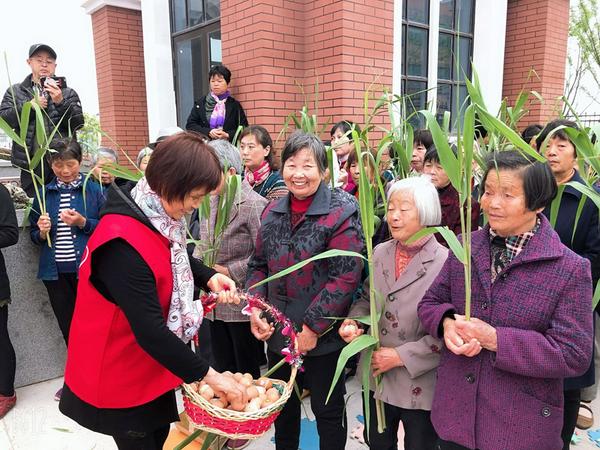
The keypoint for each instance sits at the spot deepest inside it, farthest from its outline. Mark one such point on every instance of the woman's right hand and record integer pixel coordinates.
(261, 329)
(44, 225)
(226, 385)
(349, 330)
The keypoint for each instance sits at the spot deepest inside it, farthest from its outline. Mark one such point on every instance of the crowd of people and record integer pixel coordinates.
(124, 282)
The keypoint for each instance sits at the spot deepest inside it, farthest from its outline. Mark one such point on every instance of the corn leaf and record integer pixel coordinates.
(326, 254)
(596, 297)
(8, 130)
(580, 206)
(448, 236)
(555, 205)
(354, 347)
(447, 157)
(25, 113)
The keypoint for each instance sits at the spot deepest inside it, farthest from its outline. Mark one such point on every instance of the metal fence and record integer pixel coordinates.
(587, 119)
(5, 141)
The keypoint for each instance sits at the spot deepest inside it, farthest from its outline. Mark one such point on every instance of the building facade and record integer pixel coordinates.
(153, 57)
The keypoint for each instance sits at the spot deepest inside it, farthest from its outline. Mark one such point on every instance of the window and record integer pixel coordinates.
(437, 48)
(196, 40)
(455, 50)
(415, 36)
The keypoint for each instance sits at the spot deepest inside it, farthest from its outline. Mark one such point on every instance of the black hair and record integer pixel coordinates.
(432, 153)
(539, 183)
(561, 134)
(299, 140)
(263, 137)
(220, 69)
(531, 131)
(423, 137)
(65, 148)
(345, 126)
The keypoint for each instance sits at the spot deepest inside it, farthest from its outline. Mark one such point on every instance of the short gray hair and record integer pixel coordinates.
(105, 152)
(425, 195)
(300, 140)
(146, 151)
(229, 156)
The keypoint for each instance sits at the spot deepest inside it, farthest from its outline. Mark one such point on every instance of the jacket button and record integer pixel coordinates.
(546, 411)
(484, 305)
(470, 378)
(504, 275)
(392, 298)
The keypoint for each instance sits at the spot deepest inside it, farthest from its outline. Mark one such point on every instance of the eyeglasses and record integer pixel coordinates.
(43, 61)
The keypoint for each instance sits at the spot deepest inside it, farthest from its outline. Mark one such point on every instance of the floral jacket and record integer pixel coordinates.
(322, 288)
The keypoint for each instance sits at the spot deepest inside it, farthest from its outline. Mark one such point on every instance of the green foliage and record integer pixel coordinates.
(90, 135)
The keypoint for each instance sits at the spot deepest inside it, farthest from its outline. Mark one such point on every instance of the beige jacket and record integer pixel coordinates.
(411, 386)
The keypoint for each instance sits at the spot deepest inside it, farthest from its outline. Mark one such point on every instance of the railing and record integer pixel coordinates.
(587, 119)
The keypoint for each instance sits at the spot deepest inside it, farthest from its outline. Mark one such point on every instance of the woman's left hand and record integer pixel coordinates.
(477, 329)
(225, 287)
(384, 359)
(307, 340)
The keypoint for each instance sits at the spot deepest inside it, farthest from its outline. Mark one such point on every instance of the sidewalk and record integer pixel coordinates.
(36, 423)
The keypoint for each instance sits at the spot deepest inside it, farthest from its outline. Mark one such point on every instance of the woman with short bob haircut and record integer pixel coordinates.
(500, 378)
(408, 356)
(135, 310)
(311, 219)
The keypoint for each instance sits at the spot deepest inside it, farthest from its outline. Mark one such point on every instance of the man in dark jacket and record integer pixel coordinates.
(61, 104)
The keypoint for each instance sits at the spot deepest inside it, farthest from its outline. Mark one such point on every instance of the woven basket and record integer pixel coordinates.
(236, 424)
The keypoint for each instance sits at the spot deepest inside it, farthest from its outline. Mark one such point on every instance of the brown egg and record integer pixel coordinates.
(273, 395)
(248, 376)
(228, 373)
(217, 402)
(264, 382)
(266, 402)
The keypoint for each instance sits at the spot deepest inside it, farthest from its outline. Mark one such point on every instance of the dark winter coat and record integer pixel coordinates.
(69, 110)
(322, 288)
(540, 307)
(234, 117)
(9, 235)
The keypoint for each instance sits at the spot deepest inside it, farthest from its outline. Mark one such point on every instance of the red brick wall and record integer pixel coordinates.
(536, 38)
(271, 46)
(119, 53)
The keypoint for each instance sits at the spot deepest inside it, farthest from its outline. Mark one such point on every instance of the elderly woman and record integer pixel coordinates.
(143, 158)
(310, 220)
(499, 382)
(104, 156)
(256, 147)
(135, 309)
(217, 115)
(343, 145)
(408, 355)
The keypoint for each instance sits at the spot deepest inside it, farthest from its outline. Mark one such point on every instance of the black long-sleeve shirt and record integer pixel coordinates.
(9, 235)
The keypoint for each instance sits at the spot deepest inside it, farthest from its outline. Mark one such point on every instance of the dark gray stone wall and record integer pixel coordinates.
(32, 326)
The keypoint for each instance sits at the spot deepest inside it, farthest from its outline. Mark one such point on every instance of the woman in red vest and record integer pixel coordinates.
(135, 310)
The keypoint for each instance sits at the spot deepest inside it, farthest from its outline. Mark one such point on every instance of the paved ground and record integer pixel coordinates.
(37, 424)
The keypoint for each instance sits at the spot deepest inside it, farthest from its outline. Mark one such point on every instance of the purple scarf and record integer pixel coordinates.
(217, 117)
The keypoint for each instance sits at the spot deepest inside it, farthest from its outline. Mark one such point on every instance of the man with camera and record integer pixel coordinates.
(60, 103)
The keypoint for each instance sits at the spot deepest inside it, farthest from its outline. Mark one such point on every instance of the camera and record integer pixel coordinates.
(61, 82)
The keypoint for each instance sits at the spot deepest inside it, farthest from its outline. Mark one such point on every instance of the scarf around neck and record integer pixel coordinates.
(72, 185)
(185, 313)
(259, 175)
(215, 109)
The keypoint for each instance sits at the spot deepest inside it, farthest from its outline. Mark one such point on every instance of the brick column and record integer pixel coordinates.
(272, 46)
(118, 47)
(536, 38)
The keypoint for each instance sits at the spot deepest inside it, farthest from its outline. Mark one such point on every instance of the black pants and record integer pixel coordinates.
(143, 441)
(418, 429)
(445, 445)
(62, 293)
(331, 417)
(571, 411)
(234, 347)
(7, 356)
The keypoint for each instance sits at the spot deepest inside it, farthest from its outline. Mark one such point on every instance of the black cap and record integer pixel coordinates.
(36, 47)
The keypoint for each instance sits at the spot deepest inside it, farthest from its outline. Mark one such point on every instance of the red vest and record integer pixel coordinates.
(105, 365)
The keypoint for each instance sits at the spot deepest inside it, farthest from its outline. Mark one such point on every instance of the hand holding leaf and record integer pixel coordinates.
(349, 330)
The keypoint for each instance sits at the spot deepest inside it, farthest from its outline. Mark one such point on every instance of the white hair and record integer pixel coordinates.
(105, 152)
(425, 196)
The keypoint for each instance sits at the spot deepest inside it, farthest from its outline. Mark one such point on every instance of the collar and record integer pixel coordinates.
(319, 206)
(515, 244)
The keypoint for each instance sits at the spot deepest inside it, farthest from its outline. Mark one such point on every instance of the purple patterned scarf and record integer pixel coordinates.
(217, 117)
